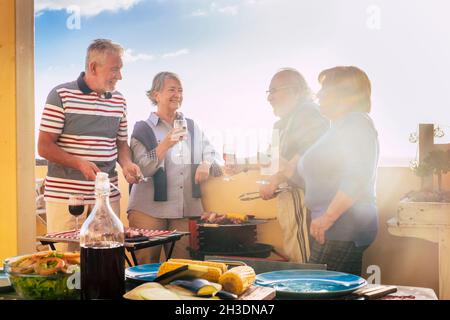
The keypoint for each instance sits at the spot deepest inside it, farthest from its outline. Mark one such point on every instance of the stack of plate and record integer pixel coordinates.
(310, 284)
(5, 284)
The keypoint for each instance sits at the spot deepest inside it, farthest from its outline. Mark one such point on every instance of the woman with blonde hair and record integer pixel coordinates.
(340, 172)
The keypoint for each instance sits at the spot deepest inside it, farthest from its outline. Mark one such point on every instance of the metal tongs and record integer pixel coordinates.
(255, 195)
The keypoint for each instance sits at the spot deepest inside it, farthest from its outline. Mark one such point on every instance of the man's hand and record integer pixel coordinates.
(267, 191)
(319, 226)
(132, 173)
(202, 172)
(88, 169)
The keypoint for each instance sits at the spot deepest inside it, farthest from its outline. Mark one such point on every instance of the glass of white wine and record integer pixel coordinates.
(264, 161)
(180, 135)
(229, 157)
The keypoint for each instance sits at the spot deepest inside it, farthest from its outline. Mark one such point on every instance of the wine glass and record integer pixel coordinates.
(181, 126)
(265, 161)
(76, 207)
(229, 156)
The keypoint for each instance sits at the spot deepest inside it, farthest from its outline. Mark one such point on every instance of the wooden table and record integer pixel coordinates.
(411, 293)
(258, 293)
(264, 293)
(429, 221)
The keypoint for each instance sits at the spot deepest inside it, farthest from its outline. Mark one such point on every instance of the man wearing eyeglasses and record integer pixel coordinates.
(300, 125)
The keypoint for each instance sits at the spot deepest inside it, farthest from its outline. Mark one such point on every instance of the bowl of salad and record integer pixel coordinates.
(47, 275)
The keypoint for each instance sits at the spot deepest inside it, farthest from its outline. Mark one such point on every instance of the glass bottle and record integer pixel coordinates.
(102, 248)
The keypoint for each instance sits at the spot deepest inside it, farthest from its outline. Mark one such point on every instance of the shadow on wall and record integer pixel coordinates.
(402, 261)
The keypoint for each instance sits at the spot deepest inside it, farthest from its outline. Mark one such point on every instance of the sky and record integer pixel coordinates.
(226, 51)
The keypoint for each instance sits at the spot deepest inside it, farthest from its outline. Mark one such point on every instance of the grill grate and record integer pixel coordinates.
(224, 240)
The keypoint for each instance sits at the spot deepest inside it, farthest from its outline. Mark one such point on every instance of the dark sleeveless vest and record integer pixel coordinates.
(145, 135)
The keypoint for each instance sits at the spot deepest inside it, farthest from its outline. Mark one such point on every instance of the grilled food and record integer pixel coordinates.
(228, 218)
(210, 271)
(221, 266)
(237, 279)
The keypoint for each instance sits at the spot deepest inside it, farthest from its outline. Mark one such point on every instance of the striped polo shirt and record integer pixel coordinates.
(88, 125)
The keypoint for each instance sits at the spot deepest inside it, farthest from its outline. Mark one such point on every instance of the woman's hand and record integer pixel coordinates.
(168, 142)
(319, 226)
(172, 138)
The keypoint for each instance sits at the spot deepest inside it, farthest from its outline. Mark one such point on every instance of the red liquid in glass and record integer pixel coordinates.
(102, 273)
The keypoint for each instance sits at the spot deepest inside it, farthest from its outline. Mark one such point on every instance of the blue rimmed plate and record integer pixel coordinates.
(310, 284)
(5, 284)
(143, 272)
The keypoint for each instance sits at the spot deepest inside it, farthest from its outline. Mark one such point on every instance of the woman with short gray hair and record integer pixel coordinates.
(158, 84)
(175, 161)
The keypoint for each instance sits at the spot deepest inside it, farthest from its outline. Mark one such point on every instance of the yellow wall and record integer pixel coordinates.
(403, 261)
(222, 196)
(219, 196)
(8, 166)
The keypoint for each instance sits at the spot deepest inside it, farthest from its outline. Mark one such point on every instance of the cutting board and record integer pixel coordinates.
(258, 293)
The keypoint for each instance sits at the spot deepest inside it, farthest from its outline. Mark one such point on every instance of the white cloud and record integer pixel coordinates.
(175, 54)
(37, 14)
(198, 13)
(255, 2)
(129, 56)
(217, 8)
(87, 7)
(231, 10)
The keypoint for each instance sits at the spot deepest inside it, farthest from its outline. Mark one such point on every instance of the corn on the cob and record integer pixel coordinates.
(220, 265)
(169, 266)
(210, 273)
(238, 279)
(237, 216)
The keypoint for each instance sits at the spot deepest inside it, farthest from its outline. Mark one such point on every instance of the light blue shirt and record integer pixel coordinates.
(344, 159)
(176, 164)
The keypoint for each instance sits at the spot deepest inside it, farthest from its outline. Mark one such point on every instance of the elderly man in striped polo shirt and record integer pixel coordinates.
(83, 131)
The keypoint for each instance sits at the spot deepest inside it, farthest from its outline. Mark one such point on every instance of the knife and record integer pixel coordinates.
(226, 295)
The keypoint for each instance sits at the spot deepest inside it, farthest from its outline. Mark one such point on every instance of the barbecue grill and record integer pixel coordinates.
(227, 239)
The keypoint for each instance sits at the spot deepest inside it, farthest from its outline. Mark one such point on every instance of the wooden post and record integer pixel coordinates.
(444, 263)
(426, 145)
(17, 195)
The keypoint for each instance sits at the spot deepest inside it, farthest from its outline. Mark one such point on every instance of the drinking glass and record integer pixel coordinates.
(265, 161)
(229, 156)
(76, 207)
(181, 125)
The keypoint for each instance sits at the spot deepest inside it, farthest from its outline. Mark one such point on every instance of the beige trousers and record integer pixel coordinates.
(59, 219)
(293, 222)
(141, 220)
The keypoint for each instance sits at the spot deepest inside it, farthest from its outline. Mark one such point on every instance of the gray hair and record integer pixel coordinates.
(158, 84)
(299, 81)
(100, 47)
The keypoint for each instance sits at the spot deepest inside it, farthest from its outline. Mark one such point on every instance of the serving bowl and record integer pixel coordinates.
(48, 275)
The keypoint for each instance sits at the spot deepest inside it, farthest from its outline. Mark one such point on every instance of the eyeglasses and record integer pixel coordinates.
(274, 90)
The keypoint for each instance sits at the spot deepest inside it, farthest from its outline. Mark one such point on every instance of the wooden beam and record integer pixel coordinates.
(8, 158)
(26, 205)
